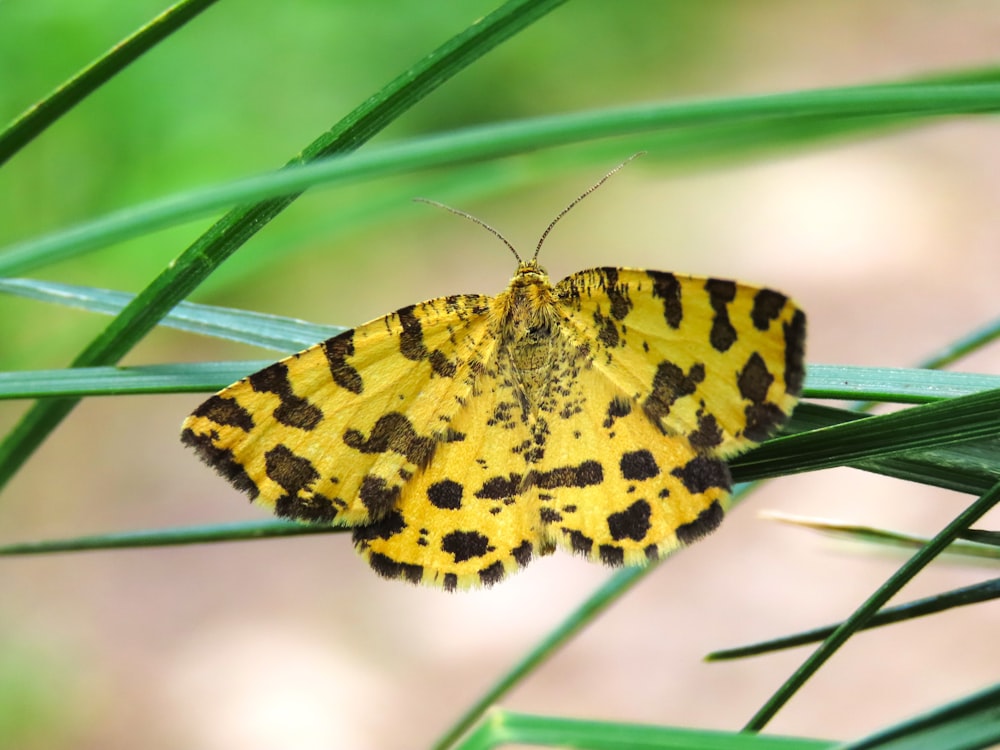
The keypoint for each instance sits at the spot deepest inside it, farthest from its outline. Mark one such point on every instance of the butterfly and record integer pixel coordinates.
(463, 436)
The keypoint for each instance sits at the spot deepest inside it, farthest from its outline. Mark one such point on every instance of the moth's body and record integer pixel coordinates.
(467, 434)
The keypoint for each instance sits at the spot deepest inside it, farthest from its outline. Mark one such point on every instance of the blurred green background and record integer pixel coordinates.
(889, 244)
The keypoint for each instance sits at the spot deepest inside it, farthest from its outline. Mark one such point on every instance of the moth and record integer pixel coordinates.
(464, 436)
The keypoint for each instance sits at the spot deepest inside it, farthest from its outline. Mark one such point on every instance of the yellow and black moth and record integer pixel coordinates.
(463, 436)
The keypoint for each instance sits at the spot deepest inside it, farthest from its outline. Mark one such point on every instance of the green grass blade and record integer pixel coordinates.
(117, 381)
(229, 233)
(964, 467)
(846, 105)
(970, 723)
(277, 332)
(917, 428)
(501, 728)
(182, 535)
(888, 539)
(875, 602)
(40, 116)
(960, 597)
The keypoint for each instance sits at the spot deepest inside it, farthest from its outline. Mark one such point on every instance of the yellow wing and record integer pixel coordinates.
(679, 372)
(333, 434)
(716, 361)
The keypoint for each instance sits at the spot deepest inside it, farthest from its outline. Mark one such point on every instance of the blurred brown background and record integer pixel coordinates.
(890, 245)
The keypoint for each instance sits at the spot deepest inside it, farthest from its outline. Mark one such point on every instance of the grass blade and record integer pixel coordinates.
(960, 597)
(847, 106)
(40, 116)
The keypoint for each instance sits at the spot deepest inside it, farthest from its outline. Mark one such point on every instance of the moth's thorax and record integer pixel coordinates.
(526, 317)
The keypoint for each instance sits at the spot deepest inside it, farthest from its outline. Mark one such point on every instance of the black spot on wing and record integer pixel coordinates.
(393, 431)
(754, 379)
(293, 411)
(762, 421)
(548, 515)
(706, 522)
(767, 305)
(583, 475)
(667, 288)
(222, 460)
(292, 473)
(441, 365)
(446, 494)
(579, 541)
(631, 523)
(411, 338)
(669, 384)
(465, 545)
(611, 555)
(720, 294)
(795, 349)
(639, 465)
(492, 574)
(225, 411)
(377, 495)
(389, 568)
(708, 435)
(620, 302)
(500, 488)
(607, 331)
(337, 350)
(617, 408)
(702, 473)
(763, 417)
(314, 508)
(384, 528)
(523, 553)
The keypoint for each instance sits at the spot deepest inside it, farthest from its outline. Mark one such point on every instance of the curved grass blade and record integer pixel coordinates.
(37, 118)
(277, 332)
(887, 539)
(960, 597)
(875, 602)
(501, 728)
(842, 105)
(232, 230)
(969, 723)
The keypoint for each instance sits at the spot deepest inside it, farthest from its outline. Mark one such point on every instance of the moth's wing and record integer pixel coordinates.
(669, 375)
(465, 520)
(716, 361)
(333, 433)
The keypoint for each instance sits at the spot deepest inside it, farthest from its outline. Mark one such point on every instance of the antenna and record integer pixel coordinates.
(585, 193)
(473, 219)
(495, 233)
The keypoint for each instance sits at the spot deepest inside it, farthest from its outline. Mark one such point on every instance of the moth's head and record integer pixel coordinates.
(531, 272)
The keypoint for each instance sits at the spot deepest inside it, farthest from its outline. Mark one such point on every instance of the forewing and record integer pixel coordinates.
(334, 433)
(718, 362)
